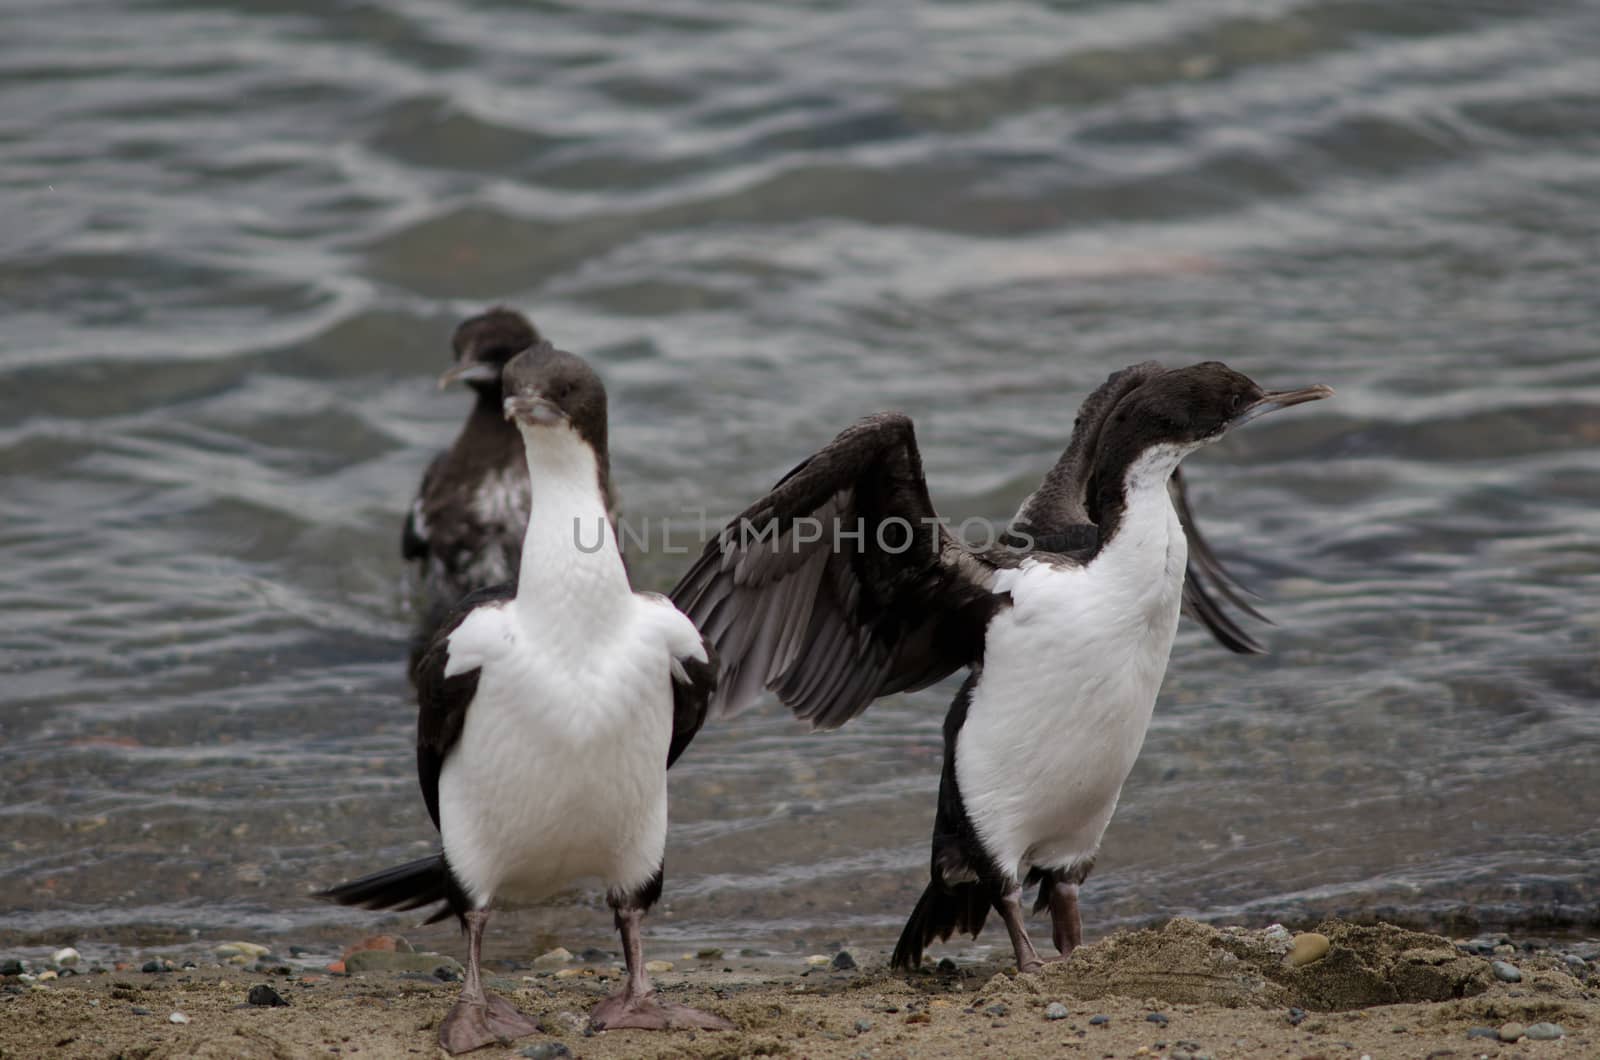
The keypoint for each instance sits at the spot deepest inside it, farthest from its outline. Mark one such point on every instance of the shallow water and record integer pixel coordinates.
(236, 236)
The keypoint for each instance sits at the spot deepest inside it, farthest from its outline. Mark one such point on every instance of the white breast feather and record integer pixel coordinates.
(560, 772)
(1070, 677)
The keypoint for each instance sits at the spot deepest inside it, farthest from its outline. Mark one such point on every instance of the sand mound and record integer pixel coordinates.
(1184, 962)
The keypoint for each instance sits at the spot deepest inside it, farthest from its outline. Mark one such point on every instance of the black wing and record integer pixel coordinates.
(1205, 578)
(442, 701)
(414, 535)
(840, 585)
(691, 699)
(1059, 512)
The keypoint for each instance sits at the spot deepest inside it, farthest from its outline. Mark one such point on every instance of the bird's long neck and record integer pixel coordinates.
(570, 560)
(1129, 485)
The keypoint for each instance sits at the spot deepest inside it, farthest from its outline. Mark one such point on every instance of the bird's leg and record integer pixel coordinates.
(1066, 928)
(636, 1004)
(1009, 905)
(479, 1018)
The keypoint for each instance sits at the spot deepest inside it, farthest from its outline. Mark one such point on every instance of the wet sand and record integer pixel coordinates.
(1182, 990)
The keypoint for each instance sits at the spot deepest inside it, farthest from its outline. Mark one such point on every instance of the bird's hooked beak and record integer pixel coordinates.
(533, 409)
(1280, 399)
(470, 372)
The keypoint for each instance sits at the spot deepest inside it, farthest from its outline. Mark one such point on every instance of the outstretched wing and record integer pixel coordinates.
(442, 701)
(840, 585)
(1205, 579)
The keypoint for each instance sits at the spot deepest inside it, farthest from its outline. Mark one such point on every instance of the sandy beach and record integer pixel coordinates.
(1184, 990)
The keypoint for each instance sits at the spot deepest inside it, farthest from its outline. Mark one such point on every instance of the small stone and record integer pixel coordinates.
(1159, 1018)
(710, 953)
(552, 959)
(1576, 963)
(140, 1010)
(66, 957)
(657, 967)
(48, 975)
(156, 966)
(177, 1017)
(1506, 973)
(819, 960)
(997, 1010)
(251, 950)
(448, 973)
(1099, 1021)
(1483, 1032)
(1297, 1016)
(546, 1051)
(300, 951)
(266, 997)
(11, 966)
(1546, 1032)
(843, 962)
(592, 955)
(946, 964)
(1055, 1011)
(569, 973)
(1307, 948)
(863, 1026)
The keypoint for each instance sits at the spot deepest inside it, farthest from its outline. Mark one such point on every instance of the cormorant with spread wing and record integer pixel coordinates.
(841, 585)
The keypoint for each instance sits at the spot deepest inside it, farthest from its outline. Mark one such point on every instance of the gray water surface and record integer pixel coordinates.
(234, 237)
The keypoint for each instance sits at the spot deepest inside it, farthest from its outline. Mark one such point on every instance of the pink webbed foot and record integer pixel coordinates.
(650, 1013)
(473, 1025)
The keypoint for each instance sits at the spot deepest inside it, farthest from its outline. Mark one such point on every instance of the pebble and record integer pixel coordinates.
(1099, 1021)
(1157, 1017)
(946, 964)
(843, 962)
(1297, 1016)
(140, 1010)
(1483, 1032)
(1055, 1011)
(546, 1051)
(10, 966)
(177, 1017)
(997, 1010)
(863, 1026)
(710, 953)
(47, 975)
(66, 957)
(819, 960)
(1510, 1032)
(1573, 961)
(266, 997)
(250, 950)
(157, 966)
(552, 959)
(1307, 948)
(1506, 973)
(657, 967)
(1546, 1032)
(593, 955)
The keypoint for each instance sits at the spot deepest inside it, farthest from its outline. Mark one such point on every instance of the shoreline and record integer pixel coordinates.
(1182, 990)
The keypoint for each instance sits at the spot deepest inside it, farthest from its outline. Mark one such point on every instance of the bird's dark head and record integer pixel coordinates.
(550, 388)
(484, 343)
(1189, 407)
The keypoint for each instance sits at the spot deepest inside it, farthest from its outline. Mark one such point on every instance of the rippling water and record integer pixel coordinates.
(236, 236)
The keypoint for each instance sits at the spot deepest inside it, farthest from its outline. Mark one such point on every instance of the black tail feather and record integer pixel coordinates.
(409, 886)
(940, 913)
